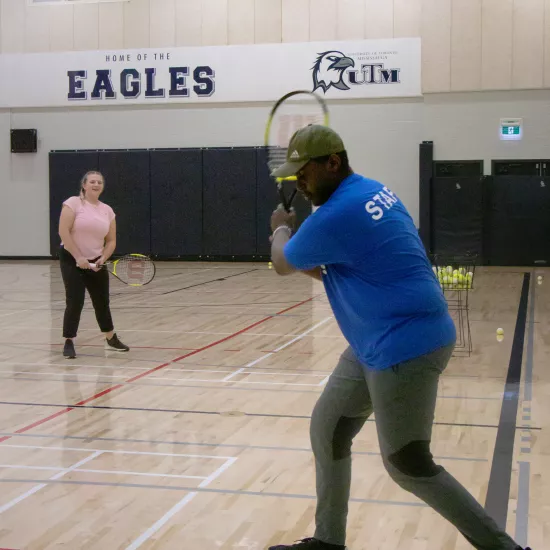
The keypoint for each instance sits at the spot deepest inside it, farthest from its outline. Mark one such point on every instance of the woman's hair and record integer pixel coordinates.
(85, 179)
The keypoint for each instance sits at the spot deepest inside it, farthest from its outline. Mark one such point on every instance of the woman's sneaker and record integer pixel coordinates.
(114, 344)
(308, 544)
(68, 349)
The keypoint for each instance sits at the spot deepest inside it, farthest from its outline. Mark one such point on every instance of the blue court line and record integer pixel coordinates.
(498, 491)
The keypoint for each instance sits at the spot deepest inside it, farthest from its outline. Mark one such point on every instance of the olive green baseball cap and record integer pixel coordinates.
(312, 141)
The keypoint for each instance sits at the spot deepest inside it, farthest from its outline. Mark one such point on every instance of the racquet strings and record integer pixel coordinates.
(291, 115)
(135, 270)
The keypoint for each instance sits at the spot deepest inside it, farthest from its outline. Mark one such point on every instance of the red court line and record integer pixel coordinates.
(150, 371)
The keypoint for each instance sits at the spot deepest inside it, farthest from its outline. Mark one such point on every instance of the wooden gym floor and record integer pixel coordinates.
(198, 438)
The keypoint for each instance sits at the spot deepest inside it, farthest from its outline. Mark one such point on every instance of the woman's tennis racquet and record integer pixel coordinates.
(290, 113)
(131, 269)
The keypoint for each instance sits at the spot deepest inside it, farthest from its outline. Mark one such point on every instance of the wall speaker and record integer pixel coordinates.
(24, 141)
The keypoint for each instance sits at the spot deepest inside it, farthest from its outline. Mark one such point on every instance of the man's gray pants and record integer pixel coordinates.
(403, 401)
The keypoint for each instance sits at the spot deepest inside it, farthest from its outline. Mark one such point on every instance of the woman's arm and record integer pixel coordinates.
(66, 222)
(110, 243)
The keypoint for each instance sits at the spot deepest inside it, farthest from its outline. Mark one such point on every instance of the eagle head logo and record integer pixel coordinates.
(328, 70)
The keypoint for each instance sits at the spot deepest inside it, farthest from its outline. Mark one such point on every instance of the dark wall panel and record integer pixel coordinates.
(457, 216)
(176, 202)
(426, 155)
(518, 224)
(267, 199)
(229, 207)
(127, 191)
(66, 171)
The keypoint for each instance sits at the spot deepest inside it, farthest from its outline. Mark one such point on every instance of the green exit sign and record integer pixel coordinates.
(511, 128)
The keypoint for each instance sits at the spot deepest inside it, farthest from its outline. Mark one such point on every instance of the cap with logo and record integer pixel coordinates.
(312, 141)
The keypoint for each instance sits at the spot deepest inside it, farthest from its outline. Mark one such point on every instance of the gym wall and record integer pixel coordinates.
(482, 60)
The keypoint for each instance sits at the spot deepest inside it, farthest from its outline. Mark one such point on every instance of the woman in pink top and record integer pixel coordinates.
(87, 228)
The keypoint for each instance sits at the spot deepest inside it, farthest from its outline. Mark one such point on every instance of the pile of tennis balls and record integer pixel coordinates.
(456, 279)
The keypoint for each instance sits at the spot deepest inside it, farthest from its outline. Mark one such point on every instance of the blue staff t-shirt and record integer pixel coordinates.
(379, 282)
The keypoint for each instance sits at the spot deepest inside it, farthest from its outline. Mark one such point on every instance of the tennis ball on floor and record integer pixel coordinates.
(270, 265)
(500, 338)
(500, 331)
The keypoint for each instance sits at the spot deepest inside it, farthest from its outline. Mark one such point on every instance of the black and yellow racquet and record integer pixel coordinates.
(131, 269)
(290, 113)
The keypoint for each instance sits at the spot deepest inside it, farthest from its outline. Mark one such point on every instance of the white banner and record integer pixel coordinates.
(221, 74)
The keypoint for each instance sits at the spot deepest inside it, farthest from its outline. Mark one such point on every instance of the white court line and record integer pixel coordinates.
(121, 331)
(175, 509)
(242, 369)
(280, 348)
(269, 373)
(154, 528)
(226, 380)
(318, 307)
(173, 331)
(82, 365)
(37, 488)
(148, 453)
(39, 308)
(183, 371)
(85, 470)
(71, 365)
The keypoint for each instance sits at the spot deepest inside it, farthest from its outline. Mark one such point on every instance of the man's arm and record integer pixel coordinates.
(315, 273)
(280, 237)
(282, 267)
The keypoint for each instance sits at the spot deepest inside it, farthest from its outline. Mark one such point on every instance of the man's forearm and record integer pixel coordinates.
(281, 266)
(315, 273)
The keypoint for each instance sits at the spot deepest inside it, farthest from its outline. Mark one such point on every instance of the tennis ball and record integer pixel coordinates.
(500, 338)
(449, 269)
(455, 281)
(270, 265)
(500, 331)
(462, 271)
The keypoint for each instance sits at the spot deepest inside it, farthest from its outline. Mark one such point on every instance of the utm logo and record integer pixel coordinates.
(334, 69)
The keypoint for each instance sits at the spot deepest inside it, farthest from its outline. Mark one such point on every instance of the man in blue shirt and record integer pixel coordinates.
(362, 243)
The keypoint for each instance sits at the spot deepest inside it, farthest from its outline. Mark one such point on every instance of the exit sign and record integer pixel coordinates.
(511, 129)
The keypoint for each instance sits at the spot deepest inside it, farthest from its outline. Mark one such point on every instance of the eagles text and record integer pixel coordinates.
(131, 83)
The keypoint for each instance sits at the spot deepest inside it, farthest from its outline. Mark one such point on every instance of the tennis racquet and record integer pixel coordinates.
(291, 112)
(131, 269)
